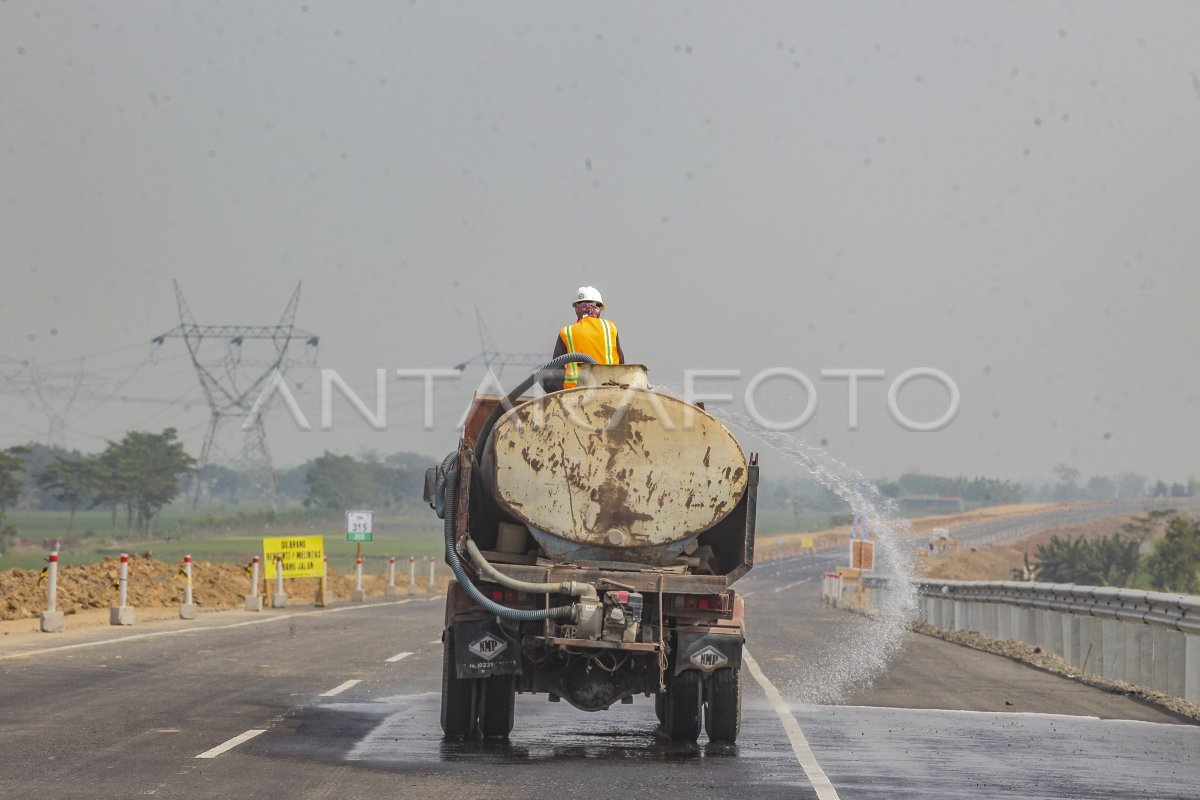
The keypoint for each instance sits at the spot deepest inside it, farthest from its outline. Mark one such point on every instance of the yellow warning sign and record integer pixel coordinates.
(806, 542)
(303, 556)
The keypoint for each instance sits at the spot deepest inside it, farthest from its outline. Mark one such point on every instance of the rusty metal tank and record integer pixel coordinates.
(613, 470)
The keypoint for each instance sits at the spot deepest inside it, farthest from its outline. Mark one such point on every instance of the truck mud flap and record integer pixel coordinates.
(482, 649)
(707, 650)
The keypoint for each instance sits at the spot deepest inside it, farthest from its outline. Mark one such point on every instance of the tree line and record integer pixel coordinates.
(137, 475)
(977, 491)
(328, 482)
(1173, 565)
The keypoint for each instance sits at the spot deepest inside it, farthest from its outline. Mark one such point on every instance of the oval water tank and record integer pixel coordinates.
(614, 467)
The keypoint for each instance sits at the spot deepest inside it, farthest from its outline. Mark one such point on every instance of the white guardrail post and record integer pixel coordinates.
(390, 589)
(412, 574)
(188, 609)
(1150, 639)
(432, 579)
(52, 618)
(254, 601)
(358, 595)
(122, 613)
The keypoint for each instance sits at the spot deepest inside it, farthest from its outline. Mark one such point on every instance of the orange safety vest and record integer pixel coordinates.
(591, 335)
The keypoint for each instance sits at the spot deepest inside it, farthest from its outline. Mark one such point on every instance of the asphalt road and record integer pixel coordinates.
(320, 703)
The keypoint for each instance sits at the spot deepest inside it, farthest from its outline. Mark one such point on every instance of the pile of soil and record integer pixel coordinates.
(156, 584)
(770, 548)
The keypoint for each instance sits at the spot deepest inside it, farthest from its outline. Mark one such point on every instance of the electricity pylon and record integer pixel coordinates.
(489, 357)
(231, 383)
(55, 392)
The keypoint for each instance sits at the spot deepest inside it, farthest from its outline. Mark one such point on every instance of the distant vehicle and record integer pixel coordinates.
(594, 534)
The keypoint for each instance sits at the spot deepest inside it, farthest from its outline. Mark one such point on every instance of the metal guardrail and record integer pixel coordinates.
(1175, 611)
(1142, 638)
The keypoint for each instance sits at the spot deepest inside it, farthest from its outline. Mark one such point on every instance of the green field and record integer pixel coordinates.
(224, 538)
(229, 540)
(771, 523)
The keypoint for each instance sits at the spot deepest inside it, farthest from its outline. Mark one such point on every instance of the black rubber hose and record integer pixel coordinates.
(511, 399)
(464, 580)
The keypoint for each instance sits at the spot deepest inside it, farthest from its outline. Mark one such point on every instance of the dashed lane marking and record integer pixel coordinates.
(232, 743)
(804, 754)
(791, 585)
(342, 687)
(398, 657)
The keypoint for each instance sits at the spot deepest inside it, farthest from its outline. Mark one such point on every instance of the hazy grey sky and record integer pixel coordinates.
(1004, 191)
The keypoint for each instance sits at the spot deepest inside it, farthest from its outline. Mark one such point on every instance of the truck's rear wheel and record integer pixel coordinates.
(499, 705)
(458, 694)
(723, 719)
(684, 707)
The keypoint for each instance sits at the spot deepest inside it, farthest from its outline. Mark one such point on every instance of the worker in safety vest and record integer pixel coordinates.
(591, 335)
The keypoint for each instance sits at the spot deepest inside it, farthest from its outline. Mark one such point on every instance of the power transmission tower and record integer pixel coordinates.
(490, 357)
(232, 382)
(57, 416)
(55, 391)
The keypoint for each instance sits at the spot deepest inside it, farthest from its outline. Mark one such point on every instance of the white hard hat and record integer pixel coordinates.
(588, 294)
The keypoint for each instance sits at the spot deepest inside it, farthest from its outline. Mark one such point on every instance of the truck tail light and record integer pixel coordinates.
(704, 602)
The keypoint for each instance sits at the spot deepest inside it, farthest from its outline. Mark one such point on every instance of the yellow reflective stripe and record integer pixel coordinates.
(572, 373)
(608, 343)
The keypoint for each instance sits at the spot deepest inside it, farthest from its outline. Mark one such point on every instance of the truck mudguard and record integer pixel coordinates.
(482, 649)
(708, 650)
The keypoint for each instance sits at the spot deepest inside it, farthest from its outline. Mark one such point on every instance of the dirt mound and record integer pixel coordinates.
(771, 548)
(996, 562)
(156, 584)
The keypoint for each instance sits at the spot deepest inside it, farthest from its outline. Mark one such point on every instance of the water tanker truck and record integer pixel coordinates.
(594, 535)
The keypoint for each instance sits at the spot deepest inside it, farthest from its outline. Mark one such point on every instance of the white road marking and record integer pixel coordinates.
(951, 711)
(398, 657)
(791, 585)
(341, 688)
(182, 631)
(804, 754)
(232, 743)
